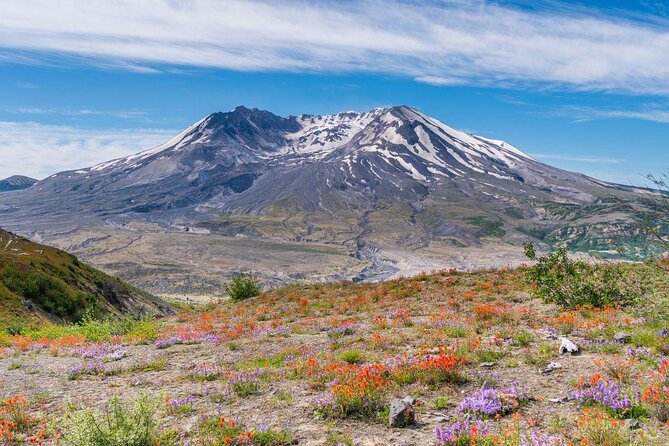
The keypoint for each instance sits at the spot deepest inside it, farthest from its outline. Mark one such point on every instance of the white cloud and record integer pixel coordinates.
(438, 42)
(646, 115)
(38, 150)
(654, 112)
(578, 158)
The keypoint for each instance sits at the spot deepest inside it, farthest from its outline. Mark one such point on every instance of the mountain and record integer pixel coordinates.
(39, 283)
(396, 189)
(16, 182)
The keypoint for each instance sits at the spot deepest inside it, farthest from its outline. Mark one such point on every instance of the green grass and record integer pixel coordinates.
(491, 228)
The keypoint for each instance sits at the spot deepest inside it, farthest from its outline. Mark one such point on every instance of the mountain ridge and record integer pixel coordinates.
(397, 189)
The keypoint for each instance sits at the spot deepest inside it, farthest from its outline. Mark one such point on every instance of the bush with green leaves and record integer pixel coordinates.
(243, 286)
(119, 424)
(570, 282)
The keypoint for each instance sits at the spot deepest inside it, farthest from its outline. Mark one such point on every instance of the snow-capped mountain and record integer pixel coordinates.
(226, 154)
(389, 178)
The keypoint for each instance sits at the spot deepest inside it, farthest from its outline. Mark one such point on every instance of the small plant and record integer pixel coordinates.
(352, 357)
(335, 438)
(224, 431)
(132, 424)
(544, 354)
(182, 406)
(243, 286)
(463, 433)
(522, 339)
(244, 383)
(489, 355)
(439, 403)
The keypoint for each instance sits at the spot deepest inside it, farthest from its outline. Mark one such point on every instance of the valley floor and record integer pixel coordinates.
(321, 363)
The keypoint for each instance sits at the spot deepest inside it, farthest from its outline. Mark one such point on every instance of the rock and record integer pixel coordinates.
(559, 399)
(29, 305)
(632, 423)
(551, 367)
(411, 401)
(566, 346)
(487, 365)
(401, 414)
(622, 336)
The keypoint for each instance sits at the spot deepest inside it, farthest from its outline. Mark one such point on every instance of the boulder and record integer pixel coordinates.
(622, 336)
(401, 414)
(566, 346)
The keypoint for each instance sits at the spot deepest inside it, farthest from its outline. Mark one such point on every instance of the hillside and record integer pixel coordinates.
(39, 283)
(16, 182)
(354, 195)
(475, 356)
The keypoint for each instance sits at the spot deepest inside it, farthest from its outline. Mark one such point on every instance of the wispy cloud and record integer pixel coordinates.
(123, 114)
(654, 114)
(577, 158)
(27, 85)
(446, 42)
(39, 150)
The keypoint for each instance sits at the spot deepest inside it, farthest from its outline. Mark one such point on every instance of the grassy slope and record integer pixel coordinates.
(85, 286)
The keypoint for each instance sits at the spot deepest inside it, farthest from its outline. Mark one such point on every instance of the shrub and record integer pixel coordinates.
(243, 286)
(570, 283)
(132, 424)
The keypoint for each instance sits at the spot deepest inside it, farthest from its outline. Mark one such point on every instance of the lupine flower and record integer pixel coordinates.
(640, 352)
(491, 402)
(605, 392)
(101, 352)
(89, 368)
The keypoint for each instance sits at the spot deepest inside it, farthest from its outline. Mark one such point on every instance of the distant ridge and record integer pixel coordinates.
(16, 182)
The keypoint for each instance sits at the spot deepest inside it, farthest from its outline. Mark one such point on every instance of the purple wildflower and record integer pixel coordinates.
(90, 368)
(490, 402)
(459, 431)
(606, 393)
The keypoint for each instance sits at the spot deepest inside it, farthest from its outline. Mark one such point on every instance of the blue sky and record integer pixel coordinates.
(579, 85)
